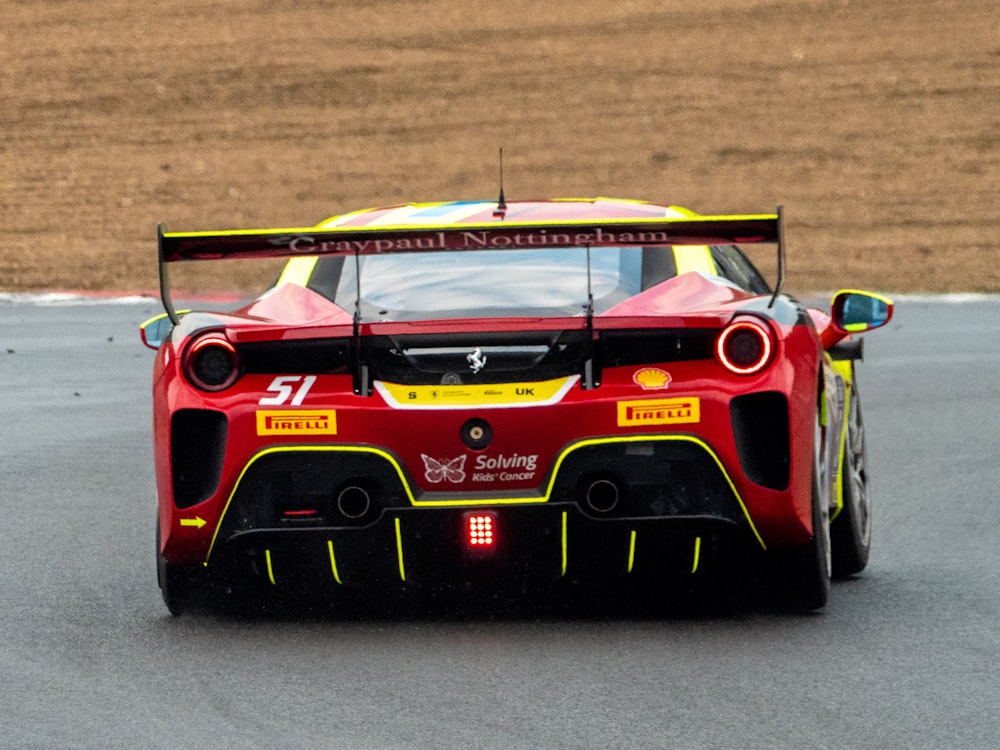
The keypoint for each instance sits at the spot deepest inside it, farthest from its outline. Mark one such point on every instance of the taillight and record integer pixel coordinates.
(211, 362)
(745, 346)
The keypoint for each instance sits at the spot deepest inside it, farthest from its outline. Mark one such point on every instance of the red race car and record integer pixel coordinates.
(493, 396)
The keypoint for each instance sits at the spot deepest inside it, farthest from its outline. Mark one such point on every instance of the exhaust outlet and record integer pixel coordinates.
(602, 495)
(353, 502)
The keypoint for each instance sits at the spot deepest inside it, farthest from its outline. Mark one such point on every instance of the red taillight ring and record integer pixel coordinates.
(745, 347)
(211, 362)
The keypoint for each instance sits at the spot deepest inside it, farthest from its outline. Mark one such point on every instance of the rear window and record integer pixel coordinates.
(488, 283)
(508, 283)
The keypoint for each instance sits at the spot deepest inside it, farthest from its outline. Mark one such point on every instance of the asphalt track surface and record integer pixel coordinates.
(904, 656)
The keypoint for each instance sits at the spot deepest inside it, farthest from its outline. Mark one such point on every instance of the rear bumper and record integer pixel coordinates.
(664, 508)
(535, 547)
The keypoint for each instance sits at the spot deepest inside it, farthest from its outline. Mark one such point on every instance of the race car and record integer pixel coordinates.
(496, 396)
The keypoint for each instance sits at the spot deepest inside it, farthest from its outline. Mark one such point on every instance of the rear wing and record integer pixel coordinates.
(499, 235)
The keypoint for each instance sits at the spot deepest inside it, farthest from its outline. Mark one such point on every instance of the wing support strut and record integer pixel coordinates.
(781, 256)
(362, 384)
(587, 381)
(168, 304)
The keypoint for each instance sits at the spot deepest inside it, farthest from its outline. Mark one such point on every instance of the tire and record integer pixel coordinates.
(810, 565)
(178, 583)
(804, 572)
(851, 530)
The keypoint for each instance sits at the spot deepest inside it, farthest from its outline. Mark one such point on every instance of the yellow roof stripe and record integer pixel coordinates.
(297, 271)
(694, 258)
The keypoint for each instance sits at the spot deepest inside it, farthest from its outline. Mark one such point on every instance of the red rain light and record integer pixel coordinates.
(481, 530)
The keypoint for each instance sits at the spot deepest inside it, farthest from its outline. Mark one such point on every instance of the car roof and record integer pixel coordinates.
(480, 211)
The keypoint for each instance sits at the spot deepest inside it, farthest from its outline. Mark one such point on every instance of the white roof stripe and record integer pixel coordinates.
(394, 217)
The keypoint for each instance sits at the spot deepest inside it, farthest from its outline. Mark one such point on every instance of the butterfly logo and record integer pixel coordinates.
(436, 471)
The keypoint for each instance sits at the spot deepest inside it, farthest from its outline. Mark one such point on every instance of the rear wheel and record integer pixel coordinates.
(178, 583)
(804, 572)
(808, 575)
(851, 531)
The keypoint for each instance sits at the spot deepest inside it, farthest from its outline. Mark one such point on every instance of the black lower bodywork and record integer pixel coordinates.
(657, 516)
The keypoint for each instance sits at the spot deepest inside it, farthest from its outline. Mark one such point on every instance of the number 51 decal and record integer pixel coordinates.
(283, 387)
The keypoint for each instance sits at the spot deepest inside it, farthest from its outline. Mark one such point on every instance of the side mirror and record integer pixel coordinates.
(856, 312)
(155, 330)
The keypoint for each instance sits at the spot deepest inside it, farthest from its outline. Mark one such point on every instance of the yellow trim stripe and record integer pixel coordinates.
(161, 316)
(564, 554)
(297, 271)
(502, 395)
(270, 570)
(697, 554)
(631, 550)
(333, 561)
(304, 449)
(694, 258)
(838, 485)
(399, 550)
(335, 227)
(879, 297)
(477, 502)
(845, 370)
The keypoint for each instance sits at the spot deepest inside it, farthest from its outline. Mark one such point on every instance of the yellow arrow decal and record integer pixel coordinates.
(196, 521)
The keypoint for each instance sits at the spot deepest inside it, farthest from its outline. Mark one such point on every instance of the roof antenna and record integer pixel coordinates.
(501, 210)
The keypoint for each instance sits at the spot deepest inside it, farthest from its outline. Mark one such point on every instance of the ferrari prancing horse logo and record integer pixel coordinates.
(476, 360)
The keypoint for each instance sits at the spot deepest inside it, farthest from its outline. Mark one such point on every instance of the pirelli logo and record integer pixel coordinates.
(659, 411)
(297, 422)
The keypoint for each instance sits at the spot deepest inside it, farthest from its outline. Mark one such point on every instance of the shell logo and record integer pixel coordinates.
(651, 378)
